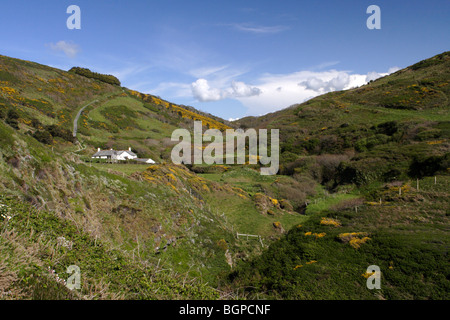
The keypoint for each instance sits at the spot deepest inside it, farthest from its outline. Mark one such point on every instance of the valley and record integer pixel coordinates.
(363, 180)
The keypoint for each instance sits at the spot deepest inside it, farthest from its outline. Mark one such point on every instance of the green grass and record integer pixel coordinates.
(324, 204)
(127, 169)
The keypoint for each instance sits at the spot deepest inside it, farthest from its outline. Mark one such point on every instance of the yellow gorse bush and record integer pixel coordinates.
(355, 239)
(367, 274)
(435, 142)
(317, 235)
(8, 90)
(357, 242)
(330, 222)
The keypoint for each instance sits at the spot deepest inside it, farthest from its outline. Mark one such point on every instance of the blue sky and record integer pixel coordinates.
(229, 58)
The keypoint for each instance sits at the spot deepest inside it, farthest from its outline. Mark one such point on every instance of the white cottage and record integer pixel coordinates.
(111, 154)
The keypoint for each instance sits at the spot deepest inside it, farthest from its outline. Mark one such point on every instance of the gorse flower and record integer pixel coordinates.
(368, 274)
(274, 201)
(317, 235)
(330, 222)
(354, 238)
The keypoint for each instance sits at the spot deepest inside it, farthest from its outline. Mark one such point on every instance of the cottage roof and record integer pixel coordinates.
(110, 153)
(104, 153)
(131, 153)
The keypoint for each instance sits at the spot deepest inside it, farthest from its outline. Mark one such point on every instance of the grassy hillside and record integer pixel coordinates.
(327, 256)
(379, 132)
(116, 118)
(381, 155)
(345, 197)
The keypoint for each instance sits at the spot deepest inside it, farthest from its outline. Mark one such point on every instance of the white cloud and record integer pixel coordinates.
(240, 89)
(375, 75)
(283, 90)
(316, 83)
(393, 69)
(69, 48)
(202, 91)
(313, 83)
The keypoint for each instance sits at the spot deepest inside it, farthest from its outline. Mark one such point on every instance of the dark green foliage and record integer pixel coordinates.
(11, 119)
(94, 75)
(370, 142)
(12, 114)
(420, 168)
(49, 132)
(387, 128)
(43, 136)
(13, 123)
(57, 131)
(35, 123)
(311, 144)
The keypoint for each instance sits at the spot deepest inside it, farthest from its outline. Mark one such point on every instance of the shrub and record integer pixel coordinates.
(35, 123)
(420, 168)
(94, 75)
(12, 114)
(13, 123)
(62, 133)
(387, 128)
(330, 222)
(43, 136)
(329, 164)
(286, 205)
(370, 142)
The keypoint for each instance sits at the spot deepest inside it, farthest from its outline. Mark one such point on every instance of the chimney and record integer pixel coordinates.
(98, 149)
(129, 149)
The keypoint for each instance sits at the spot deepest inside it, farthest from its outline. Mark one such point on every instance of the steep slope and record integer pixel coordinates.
(115, 118)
